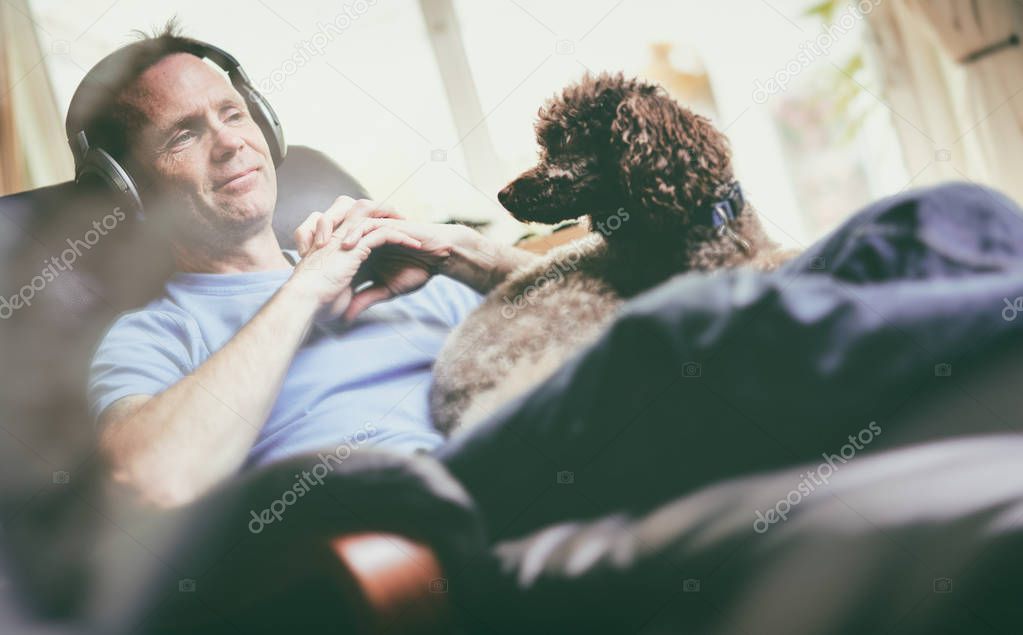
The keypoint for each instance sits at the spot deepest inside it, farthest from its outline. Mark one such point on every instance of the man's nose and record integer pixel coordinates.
(226, 143)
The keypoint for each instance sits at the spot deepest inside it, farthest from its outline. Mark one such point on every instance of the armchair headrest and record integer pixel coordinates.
(308, 181)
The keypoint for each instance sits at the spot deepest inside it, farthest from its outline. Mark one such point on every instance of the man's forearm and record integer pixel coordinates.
(199, 431)
(481, 263)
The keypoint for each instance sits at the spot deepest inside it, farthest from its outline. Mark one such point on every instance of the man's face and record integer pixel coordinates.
(202, 154)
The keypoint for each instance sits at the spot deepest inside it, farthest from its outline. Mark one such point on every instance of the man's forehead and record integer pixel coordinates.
(176, 86)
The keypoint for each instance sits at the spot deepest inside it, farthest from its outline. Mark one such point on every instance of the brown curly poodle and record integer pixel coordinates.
(655, 182)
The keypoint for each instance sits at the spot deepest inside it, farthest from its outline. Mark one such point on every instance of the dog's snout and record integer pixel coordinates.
(505, 195)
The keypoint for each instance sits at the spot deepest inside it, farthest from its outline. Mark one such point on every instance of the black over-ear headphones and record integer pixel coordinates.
(93, 161)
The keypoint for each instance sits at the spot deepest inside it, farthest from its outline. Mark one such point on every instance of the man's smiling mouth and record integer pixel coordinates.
(237, 180)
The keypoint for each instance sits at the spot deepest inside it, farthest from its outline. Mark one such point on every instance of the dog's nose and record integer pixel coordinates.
(505, 195)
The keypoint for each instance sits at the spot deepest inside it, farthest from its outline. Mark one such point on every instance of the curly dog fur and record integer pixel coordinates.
(641, 168)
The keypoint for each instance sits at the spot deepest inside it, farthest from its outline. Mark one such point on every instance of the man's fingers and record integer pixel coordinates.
(388, 236)
(340, 206)
(335, 214)
(342, 216)
(324, 227)
(387, 211)
(352, 238)
(360, 211)
(372, 224)
(304, 234)
(365, 299)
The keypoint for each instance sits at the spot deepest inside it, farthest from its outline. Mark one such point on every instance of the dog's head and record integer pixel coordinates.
(609, 143)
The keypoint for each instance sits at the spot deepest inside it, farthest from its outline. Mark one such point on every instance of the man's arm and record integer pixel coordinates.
(482, 263)
(456, 251)
(173, 446)
(178, 444)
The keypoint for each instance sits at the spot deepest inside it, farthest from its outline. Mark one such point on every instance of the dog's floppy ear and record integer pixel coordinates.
(668, 157)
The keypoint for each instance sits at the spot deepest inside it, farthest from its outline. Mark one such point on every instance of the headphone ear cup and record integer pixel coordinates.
(266, 119)
(98, 165)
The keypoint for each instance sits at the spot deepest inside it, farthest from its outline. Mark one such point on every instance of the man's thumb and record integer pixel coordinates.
(365, 299)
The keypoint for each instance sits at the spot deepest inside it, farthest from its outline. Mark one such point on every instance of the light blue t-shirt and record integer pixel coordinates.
(363, 385)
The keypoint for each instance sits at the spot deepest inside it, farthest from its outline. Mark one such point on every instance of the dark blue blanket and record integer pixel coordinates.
(715, 376)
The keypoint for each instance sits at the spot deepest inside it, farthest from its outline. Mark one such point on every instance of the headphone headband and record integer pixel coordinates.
(109, 75)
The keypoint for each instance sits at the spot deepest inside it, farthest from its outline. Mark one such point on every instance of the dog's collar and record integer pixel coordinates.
(727, 209)
(723, 212)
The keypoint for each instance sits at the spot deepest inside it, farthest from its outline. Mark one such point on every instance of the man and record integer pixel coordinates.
(248, 358)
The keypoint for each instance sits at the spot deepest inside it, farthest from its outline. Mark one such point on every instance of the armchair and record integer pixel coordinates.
(921, 533)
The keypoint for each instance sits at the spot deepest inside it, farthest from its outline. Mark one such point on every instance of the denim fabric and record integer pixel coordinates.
(714, 376)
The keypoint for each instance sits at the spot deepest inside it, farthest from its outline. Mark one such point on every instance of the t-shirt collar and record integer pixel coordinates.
(232, 282)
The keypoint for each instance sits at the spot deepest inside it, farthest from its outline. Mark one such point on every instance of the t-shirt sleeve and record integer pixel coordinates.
(143, 352)
(458, 300)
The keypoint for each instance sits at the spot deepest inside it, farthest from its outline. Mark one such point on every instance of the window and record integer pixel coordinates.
(431, 103)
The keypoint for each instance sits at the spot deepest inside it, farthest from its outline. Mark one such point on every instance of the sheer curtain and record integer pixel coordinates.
(33, 151)
(983, 39)
(953, 81)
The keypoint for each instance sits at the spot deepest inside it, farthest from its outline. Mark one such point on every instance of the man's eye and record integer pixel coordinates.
(235, 115)
(182, 138)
